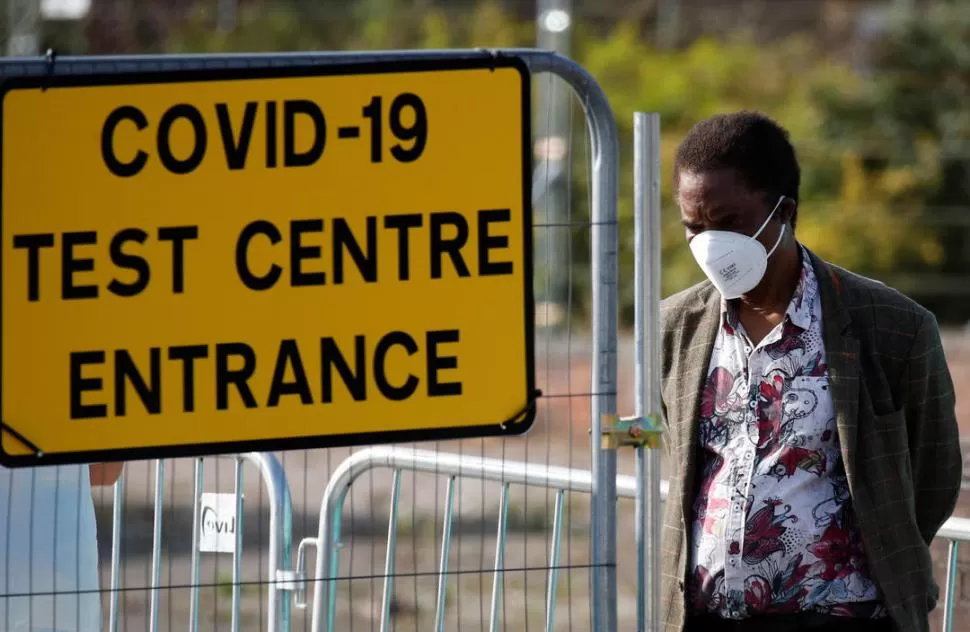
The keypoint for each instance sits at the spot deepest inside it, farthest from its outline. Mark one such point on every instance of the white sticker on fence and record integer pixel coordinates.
(218, 523)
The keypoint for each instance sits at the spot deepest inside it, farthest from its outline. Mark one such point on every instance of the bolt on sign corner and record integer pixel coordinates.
(264, 259)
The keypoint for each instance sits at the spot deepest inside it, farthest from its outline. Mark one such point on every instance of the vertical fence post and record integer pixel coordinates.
(604, 266)
(280, 534)
(952, 559)
(237, 549)
(552, 591)
(156, 545)
(388, 595)
(197, 486)
(646, 201)
(117, 515)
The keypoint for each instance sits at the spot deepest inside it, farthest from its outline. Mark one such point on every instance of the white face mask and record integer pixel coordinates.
(734, 263)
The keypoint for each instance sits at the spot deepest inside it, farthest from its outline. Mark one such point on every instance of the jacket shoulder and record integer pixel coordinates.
(675, 307)
(872, 303)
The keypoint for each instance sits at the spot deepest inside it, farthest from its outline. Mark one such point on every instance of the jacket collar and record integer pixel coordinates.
(835, 316)
(842, 353)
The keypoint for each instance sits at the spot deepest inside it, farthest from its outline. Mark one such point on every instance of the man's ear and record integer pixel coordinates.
(789, 211)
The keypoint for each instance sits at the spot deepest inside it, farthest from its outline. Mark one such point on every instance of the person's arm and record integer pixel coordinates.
(105, 474)
(934, 436)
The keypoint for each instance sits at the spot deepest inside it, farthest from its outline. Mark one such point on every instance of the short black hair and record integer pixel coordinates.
(749, 142)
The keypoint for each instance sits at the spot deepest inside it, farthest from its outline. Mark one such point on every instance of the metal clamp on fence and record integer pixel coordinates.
(639, 432)
(295, 580)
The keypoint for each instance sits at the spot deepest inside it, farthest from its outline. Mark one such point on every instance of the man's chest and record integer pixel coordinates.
(760, 396)
(767, 417)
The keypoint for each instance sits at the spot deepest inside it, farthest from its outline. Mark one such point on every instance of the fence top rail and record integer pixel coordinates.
(514, 472)
(955, 529)
(536, 59)
(465, 466)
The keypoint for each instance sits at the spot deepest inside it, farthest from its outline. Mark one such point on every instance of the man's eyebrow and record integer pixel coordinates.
(720, 214)
(715, 214)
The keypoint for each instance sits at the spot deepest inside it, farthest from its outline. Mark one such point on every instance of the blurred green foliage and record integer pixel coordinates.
(876, 147)
(909, 125)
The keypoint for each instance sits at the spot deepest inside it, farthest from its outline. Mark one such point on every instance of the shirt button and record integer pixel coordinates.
(754, 403)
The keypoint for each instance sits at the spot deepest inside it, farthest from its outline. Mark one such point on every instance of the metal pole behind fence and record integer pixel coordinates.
(157, 545)
(237, 549)
(116, 523)
(668, 23)
(226, 11)
(23, 22)
(554, 20)
(646, 194)
(196, 556)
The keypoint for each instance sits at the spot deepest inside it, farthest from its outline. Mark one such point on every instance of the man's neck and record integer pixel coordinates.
(774, 293)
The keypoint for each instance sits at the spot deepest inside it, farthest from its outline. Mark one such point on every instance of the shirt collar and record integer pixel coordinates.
(799, 312)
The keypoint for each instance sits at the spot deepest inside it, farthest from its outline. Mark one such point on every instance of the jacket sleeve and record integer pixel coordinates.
(933, 433)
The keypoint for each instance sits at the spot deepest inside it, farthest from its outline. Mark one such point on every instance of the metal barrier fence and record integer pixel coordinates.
(507, 473)
(453, 466)
(597, 396)
(595, 346)
(279, 545)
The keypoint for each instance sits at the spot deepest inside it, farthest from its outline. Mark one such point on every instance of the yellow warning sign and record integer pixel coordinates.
(265, 259)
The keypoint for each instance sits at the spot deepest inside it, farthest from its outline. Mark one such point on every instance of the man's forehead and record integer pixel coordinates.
(713, 188)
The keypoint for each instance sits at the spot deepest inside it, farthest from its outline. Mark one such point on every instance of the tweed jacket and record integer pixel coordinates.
(894, 404)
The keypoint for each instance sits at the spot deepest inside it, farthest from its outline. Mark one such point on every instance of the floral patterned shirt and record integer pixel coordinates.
(773, 528)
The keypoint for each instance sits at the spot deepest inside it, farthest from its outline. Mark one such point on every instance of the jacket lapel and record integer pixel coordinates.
(842, 351)
(703, 321)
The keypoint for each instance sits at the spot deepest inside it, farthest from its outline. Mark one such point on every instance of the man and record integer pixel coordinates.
(809, 413)
(49, 548)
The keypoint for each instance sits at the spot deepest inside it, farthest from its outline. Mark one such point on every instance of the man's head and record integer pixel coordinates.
(737, 175)
(741, 157)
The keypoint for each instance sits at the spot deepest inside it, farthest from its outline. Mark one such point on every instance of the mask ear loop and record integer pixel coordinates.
(768, 219)
(778, 241)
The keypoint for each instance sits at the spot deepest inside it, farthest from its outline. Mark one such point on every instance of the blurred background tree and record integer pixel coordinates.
(907, 129)
(880, 124)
